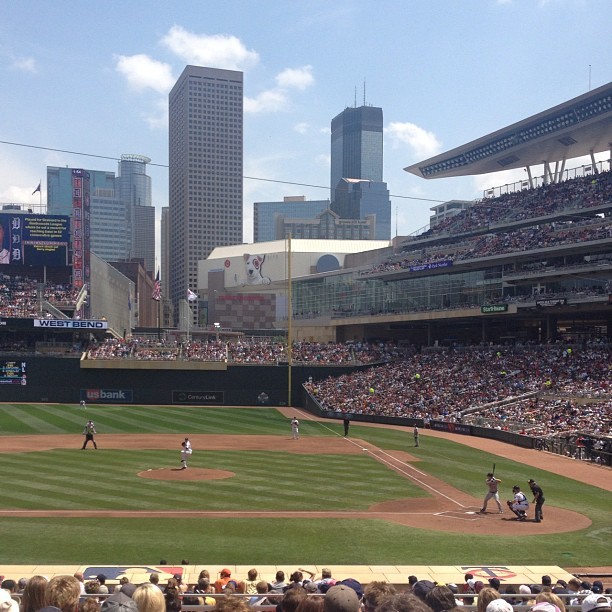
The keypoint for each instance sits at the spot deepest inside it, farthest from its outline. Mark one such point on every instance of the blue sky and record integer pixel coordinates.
(93, 77)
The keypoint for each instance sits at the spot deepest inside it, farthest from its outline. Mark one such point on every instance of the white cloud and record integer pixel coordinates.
(157, 118)
(422, 143)
(215, 51)
(25, 64)
(276, 99)
(298, 78)
(323, 159)
(143, 72)
(271, 100)
(301, 128)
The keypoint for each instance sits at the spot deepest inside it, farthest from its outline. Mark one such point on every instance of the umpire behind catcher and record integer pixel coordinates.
(538, 499)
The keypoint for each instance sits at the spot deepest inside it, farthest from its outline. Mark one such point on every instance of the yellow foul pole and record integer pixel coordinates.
(289, 321)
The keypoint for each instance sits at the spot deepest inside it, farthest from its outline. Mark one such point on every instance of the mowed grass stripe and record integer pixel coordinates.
(108, 479)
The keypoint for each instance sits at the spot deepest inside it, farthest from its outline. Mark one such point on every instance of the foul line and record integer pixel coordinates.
(389, 463)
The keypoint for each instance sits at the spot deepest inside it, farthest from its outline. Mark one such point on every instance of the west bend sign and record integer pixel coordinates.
(71, 323)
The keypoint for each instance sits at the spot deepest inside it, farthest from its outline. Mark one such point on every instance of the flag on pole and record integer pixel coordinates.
(191, 296)
(37, 189)
(156, 295)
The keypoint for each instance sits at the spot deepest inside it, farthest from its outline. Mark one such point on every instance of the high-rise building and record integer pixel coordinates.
(357, 186)
(134, 187)
(205, 178)
(357, 145)
(266, 214)
(360, 199)
(122, 214)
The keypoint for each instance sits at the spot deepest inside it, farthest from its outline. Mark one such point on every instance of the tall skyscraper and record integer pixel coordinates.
(357, 145)
(205, 158)
(357, 186)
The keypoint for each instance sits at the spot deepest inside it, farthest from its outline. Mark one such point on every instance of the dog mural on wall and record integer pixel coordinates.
(253, 265)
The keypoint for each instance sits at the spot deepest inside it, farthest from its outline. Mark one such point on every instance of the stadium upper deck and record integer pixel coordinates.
(581, 126)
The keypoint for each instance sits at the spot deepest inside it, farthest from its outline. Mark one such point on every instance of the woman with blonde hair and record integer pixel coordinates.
(550, 597)
(149, 598)
(485, 596)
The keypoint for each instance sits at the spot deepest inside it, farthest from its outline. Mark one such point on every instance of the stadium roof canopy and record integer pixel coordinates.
(581, 126)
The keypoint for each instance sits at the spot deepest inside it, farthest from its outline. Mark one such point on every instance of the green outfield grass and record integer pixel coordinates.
(265, 480)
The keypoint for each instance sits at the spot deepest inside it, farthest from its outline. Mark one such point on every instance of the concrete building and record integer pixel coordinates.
(205, 177)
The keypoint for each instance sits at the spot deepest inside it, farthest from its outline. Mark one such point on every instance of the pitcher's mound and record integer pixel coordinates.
(188, 474)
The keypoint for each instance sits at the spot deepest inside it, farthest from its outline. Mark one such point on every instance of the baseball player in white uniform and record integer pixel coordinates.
(295, 428)
(186, 451)
(492, 493)
(519, 505)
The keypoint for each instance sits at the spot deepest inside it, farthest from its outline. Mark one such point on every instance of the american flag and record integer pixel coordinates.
(156, 295)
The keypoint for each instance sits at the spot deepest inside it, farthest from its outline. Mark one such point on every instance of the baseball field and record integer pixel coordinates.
(253, 495)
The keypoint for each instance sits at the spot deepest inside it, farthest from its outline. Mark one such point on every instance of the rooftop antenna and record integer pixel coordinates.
(364, 91)
(355, 103)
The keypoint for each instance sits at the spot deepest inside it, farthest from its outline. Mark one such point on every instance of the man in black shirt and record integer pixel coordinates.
(538, 499)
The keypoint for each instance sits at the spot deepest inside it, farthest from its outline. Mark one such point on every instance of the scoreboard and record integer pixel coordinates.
(13, 373)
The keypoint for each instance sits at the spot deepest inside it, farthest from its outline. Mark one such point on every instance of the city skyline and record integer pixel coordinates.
(86, 82)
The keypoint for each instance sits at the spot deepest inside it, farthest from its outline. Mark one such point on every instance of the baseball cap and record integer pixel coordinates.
(422, 587)
(531, 480)
(499, 605)
(8, 602)
(341, 598)
(225, 572)
(595, 602)
(127, 589)
(353, 584)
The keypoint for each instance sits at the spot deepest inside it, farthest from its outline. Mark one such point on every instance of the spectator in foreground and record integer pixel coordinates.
(441, 598)
(341, 598)
(149, 598)
(595, 603)
(62, 593)
(499, 605)
(33, 597)
(7, 603)
(232, 604)
(375, 592)
(485, 597)
(403, 602)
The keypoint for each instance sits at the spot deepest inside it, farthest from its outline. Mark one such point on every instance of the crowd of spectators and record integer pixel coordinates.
(494, 215)
(244, 351)
(446, 384)
(578, 193)
(544, 235)
(297, 593)
(19, 296)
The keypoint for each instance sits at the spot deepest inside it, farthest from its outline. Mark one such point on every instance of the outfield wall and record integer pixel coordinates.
(69, 380)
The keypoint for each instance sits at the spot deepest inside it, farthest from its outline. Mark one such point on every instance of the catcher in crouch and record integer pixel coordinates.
(519, 505)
